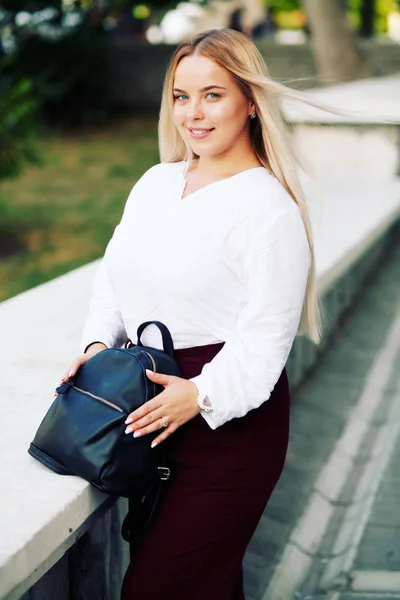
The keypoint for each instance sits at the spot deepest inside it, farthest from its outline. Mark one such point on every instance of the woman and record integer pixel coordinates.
(215, 242)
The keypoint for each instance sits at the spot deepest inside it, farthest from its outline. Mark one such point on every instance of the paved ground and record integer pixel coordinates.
(331, 530)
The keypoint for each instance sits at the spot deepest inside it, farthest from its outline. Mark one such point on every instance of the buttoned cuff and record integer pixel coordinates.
(207, 411)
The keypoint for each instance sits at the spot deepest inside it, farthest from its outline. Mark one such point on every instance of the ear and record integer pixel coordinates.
(252, 108)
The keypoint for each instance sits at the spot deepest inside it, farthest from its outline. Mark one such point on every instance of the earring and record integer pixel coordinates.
(253, 115)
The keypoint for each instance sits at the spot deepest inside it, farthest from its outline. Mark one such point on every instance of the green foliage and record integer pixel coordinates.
(17, 5)
(17, 114)
(284, 5)
(18, 110)
(65, 213)
(382, 9)
(71, 76)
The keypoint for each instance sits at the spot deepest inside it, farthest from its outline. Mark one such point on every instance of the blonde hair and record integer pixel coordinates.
(269, 134)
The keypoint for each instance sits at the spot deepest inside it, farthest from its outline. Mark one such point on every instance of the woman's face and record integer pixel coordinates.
(210, 110)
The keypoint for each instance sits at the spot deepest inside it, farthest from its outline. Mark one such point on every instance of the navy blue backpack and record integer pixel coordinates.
(83, 432)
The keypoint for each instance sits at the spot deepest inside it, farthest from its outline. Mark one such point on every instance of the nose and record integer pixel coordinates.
(194, 109)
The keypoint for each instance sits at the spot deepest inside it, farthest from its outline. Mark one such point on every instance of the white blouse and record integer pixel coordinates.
(227, 263)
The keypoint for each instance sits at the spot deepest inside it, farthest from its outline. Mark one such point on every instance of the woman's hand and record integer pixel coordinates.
(176, 405)
(78, 362)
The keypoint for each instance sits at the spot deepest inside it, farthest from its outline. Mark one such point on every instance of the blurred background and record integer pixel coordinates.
(80, 87)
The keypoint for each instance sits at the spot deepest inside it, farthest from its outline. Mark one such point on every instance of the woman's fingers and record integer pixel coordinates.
(75, 366)
(160, 378)
(69, 373)
(163, 436)
(151, 422)
(146, 409)
(77, 363)
(72, 369)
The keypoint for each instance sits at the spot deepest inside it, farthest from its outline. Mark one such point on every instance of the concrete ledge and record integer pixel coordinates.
(42, 514)
(367, 101)
(352, 229)
(358, 151)
(354, 215)
(363, 142)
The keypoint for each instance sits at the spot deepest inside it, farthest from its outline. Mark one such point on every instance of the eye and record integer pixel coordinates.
(214, 94)
(180, 96)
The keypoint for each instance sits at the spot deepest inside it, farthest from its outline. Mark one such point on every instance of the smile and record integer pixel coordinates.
(199, 134)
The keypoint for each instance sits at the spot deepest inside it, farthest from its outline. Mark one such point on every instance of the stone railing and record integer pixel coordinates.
(356, 159)
(58, 534)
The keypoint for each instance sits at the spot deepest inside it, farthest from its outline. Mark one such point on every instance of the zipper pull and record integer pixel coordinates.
(64, 387)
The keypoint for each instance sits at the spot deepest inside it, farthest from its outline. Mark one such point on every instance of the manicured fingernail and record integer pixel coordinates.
(149, 372)
(128, 420)
(129, 430)
(70, 374)
(153, 444)
(137, 434)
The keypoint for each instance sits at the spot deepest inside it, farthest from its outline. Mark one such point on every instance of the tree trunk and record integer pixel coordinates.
(336, 51)
(367, 14)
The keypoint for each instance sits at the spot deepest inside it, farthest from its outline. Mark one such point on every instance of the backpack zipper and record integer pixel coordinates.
(153, 362)
(111, 404)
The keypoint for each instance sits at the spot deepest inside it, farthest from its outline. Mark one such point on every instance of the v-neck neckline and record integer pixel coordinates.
(208, 185)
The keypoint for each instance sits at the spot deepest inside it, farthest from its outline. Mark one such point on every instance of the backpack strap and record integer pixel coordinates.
(168, 344)
(143, 509)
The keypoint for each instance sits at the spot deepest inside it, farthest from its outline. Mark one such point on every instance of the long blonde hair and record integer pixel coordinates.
(269, 134)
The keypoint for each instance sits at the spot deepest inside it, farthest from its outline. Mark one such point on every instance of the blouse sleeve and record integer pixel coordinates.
(243, 374)
(104, 322)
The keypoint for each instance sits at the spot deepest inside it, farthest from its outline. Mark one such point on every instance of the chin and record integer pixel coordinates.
(203, 151)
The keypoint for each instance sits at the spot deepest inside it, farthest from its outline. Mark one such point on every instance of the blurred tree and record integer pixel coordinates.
(31, 5)
(371, 17)
(367, 18)
(336, 52)
(18, 110)
(284, 5)
(71, 76)
(122, 4)
(17, 133)
(68, 64)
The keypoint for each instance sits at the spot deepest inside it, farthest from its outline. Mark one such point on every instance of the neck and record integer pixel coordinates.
(227, 163)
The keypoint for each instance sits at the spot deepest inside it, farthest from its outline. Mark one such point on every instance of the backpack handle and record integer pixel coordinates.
(168, 344)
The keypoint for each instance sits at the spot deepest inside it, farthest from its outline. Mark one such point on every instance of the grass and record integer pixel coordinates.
(66, 211)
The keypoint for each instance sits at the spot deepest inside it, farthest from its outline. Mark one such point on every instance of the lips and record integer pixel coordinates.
(200, 129)
(199, 133)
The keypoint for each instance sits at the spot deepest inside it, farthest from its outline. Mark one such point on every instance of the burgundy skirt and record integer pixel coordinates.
(220, 483)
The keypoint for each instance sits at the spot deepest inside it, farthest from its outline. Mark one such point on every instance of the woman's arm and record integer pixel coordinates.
(244, 373)
(104, 321)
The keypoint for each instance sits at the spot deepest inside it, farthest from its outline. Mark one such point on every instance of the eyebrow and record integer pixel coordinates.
(204, 89)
